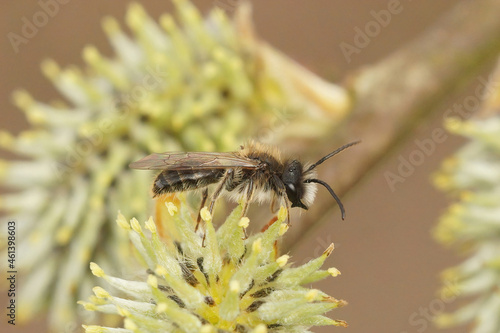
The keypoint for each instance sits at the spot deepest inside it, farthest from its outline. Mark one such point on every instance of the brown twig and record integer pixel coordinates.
(407, 86)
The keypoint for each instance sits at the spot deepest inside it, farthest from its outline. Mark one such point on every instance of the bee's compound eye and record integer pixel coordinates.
(291, 187)
(292, 173)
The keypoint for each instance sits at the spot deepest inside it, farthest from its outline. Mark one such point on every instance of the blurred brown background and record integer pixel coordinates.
(389, 262)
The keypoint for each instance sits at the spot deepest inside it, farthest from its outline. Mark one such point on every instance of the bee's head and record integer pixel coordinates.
(300, 183)
(296, 189)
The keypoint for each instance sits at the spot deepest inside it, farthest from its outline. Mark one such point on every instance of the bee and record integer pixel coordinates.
(256, 172)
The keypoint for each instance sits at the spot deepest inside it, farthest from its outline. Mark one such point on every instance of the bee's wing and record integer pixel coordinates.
(193, 161)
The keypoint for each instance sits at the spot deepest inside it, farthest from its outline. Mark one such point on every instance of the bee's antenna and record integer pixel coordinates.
(341, 206)
(333, 153)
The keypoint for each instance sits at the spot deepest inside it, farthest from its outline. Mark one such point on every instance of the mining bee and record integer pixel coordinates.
(255, 172)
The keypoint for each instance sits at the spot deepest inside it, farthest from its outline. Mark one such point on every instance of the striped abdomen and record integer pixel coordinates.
(169, 181)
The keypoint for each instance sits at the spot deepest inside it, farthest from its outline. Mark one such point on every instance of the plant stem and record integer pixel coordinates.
(392, 96)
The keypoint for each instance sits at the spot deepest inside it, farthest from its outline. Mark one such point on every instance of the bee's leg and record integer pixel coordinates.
(247, 201)
(215, 195)
(218, 190)
(287, 205)
(204, 197)
(283, 197)
(273, 207)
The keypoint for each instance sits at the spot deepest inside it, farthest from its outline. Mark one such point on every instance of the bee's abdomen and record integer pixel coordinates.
(169, 181)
